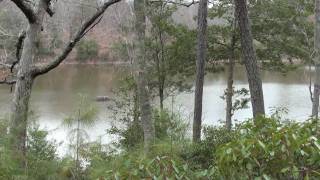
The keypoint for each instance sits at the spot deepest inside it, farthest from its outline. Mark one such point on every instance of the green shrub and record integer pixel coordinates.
(200, 156)
(87, 49)
(41, 159)
(168, 126)
(268, 148)
(162, 162)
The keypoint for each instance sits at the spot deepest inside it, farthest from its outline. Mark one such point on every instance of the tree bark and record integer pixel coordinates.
(141, 78)
(28, 71)
(22, 93)
(162, 76)
(230, 90)
(201, 57)
(231, 64)
(250, 59)
(316, 90)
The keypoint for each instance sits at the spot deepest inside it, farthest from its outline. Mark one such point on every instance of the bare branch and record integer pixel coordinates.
(26, 9)
(88, 25)
(5, 65)
(97, 22)
(7, 78)
(179, 3)
(19, 44)
(47, 7)
(8, 82)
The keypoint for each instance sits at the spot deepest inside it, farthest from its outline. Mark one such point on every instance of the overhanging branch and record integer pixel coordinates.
(179, 3)
(26, 9)
(88, 25)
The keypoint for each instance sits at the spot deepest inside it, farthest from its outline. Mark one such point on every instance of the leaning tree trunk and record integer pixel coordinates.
(142, 83)
(201, 57)
(250, 59)
(316, 91)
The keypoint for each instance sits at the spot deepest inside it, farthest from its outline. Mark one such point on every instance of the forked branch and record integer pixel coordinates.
(19, 46)
(47, 7)
(88, 25)
(27, 10)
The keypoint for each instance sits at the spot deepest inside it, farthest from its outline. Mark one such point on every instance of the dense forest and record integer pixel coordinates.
(94, 89)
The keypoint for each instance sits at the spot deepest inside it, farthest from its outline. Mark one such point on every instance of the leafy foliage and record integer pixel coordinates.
(41, 157)
(168, 126)
(268, 149)
(283, 30)
(163, 162)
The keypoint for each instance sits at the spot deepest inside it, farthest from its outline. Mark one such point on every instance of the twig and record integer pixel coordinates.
(180, 3)
(8, 82)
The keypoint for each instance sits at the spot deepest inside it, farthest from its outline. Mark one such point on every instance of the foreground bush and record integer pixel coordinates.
(168, 125)
(267, 148)
(270, 149)
(163, 162)
(200, 156)
(42, 161)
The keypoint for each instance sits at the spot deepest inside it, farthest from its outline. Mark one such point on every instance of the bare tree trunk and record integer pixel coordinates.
(19, 115)
(201, 57)
(230, 90)
(161, 96)
(162, 76)
(22, 93)
(160, 82)
(231, 64)
(250, 59)
(316, 91)
(142, 83)
(28, 69)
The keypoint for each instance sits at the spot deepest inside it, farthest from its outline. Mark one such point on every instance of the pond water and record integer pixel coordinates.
(55, 95)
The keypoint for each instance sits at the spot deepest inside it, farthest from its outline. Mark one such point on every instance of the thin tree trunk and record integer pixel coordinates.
(230, 90)
(231, 64)
(250, 59)
(161, 96)
(316, 91)
(161, 78)
(201, 57)
(162, 75)
(136, 113)
(77, 175)
(142, 83)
